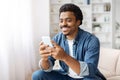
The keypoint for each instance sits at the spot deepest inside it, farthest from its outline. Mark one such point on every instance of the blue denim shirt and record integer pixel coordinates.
(85, 49)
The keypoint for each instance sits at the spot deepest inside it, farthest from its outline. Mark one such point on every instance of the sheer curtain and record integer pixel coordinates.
(17, 54)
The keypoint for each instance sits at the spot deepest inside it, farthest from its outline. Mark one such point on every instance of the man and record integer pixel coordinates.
(76, 50)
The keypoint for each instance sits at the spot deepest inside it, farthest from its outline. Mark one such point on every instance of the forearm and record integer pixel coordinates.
(72, 63)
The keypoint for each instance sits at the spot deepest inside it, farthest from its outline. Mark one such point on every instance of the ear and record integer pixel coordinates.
(78, 22)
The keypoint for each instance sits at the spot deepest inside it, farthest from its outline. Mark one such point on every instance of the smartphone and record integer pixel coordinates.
(46, 40)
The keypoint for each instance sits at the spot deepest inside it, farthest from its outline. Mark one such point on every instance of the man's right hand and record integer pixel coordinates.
(44, 51)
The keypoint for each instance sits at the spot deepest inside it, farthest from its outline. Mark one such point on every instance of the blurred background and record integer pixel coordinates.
(24, 22)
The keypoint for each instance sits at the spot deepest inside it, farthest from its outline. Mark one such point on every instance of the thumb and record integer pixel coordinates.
(54, 44)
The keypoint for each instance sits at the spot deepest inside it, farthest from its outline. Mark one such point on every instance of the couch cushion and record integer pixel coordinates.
(107, 62)
(114, 78)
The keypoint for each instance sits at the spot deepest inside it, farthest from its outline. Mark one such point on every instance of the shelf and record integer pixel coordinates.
(101, 7)
(101, 22)
(59, 2)
(81, 2)
(100, 3)
(102, 13)
(83, 6)
(95, 12)
(102, 33)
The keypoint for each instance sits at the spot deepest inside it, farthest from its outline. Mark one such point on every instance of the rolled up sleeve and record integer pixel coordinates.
(84, 70)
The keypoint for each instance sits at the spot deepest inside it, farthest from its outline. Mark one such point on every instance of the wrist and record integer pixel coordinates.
(65, 58)
(44, 59)
(44, 63)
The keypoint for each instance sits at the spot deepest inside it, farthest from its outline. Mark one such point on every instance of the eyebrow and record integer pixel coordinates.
(65, 18)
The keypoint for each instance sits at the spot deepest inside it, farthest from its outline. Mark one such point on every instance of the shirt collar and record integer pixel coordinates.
(76, 40)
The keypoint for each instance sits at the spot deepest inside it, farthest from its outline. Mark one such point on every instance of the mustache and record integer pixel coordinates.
(64, 27)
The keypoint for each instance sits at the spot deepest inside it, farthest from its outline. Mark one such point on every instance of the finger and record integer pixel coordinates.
(41, 43)
(45, 51)
(43, 46)
(45, 55)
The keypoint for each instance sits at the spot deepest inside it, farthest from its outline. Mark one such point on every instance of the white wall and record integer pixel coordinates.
(40, 13)
(117, 10)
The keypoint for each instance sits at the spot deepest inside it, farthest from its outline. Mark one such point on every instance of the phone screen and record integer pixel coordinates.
(46, 40)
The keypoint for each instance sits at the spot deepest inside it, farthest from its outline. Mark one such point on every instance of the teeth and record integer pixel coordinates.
(64, 28)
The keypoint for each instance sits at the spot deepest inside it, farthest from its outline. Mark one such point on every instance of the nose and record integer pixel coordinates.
(64, 23)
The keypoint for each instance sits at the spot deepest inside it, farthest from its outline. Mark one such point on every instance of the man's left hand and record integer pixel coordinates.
(58, 52)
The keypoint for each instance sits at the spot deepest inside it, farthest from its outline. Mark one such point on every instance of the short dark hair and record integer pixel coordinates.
(72, 8)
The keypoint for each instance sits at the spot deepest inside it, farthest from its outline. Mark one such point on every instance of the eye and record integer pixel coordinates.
(69, 20)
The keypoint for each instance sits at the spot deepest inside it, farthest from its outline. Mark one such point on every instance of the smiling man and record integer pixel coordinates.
(76, 50)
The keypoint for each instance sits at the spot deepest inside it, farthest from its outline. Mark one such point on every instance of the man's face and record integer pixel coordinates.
(68, 23)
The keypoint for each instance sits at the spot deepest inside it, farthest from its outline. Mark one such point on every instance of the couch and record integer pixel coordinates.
(109, 63)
